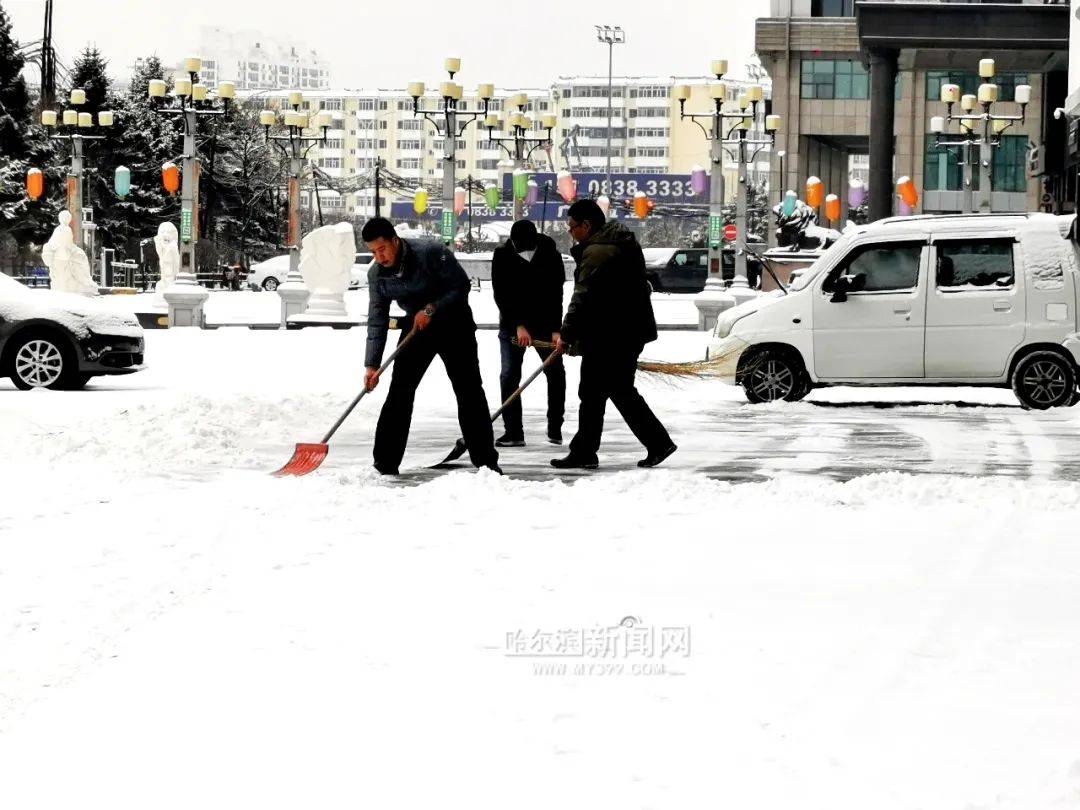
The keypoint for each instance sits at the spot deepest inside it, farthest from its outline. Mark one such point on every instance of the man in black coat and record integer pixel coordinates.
(610, 319)
(527, 277)
(428, 283)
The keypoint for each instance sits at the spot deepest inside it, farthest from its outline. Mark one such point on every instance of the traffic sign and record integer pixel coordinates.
(185, 225)
(448, 226)
(715, 221)
(730, 233)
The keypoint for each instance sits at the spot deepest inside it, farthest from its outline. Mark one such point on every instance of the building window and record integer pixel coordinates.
(832, 8)
(487, 164)
(408, 144)
(969, 83)
(409, 124)
(942, 170)
(330, 163)
(834, 78)
(408, 163)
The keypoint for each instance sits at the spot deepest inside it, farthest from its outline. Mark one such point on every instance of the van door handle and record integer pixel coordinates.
(902, 310)
(1002, 306)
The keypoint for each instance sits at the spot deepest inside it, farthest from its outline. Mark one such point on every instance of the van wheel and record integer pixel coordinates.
(1044, 380)
(270, 284)
(771, 375)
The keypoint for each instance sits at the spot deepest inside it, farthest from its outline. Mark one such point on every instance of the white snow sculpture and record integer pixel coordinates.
(69, 269)
(326, 259)
(166, 243)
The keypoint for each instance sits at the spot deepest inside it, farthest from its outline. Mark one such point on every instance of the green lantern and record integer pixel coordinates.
(122, 181)
(491, 196)
(521, 184)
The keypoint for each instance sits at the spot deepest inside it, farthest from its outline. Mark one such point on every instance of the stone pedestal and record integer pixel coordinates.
(742, 294)
(294, 298)
(185, 302)
(710, 302)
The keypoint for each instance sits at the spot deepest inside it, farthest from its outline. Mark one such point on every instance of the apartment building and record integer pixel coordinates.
(255, 61)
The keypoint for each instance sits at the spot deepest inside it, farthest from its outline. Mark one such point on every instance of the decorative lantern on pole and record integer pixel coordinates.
(170, 177)
(815, 192)
(459, 201)
(905, 187)
(604, 203)
(492, 196)
(832, 208)
(532, 193)
(699, 180)
(641, 205)
(122, 181)
(420, 201)
(35, 184)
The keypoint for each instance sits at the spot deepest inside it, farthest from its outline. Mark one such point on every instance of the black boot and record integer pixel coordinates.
(572, 462)
(554, 434)
(506, 440)
(657, 456)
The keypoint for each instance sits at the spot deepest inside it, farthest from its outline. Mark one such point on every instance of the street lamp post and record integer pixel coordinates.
(738, 137)
(191, 100)
(519, 147)
(451, 93)
(295, 145)
(982, 129)
(70, 127)
(610, 36)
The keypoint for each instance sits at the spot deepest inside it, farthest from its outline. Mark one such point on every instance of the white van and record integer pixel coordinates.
(988, 300)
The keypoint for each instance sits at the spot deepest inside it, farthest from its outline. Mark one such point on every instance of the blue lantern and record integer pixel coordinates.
(122, 181)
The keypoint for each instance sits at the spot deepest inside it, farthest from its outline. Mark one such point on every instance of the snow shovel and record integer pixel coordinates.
(460, 447)
(307, 457)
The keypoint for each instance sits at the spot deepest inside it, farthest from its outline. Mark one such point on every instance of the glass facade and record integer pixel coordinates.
(832, 8)
(942, 170)
(835, 78)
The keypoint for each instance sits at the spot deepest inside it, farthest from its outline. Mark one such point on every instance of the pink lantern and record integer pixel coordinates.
(567, 186)
(856, 195)
(533, 194)
(699, 180)
(459, 200)
(604, 203)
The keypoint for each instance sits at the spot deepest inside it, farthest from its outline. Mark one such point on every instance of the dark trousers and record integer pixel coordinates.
(455, 343)
(609, 374)
(510, 379)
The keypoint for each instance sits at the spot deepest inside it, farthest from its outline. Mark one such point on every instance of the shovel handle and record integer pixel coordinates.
(363, 392)
(551, 358)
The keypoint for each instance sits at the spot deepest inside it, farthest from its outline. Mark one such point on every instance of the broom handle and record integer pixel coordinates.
(364, 391)
(550, 359)
(540, 344)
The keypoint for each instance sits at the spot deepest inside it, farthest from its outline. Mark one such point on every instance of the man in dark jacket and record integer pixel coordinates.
(610, 319)
(527, 277)
(428, 283)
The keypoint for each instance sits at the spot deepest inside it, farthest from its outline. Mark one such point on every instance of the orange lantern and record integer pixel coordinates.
(905, 187)
(832, 208)
(815, 192)
(641, 205)
(170, 177)
(35, 184)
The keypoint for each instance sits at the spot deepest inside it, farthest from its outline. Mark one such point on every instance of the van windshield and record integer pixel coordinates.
(812, 272)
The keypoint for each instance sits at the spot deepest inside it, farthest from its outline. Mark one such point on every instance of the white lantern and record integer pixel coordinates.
(950, 93)
(226, 90)
(1023, 94)
(193, 64)
(937, 124)
(416, 89)
(105, 118)
(718, 67)
(988, 93)
(78, 97)
(986, 68)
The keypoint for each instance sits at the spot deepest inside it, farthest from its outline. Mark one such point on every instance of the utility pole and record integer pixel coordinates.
(611, 36)
(519, 147)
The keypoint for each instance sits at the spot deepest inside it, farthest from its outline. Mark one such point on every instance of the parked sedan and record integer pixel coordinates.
(682, 270)
(60, 340)
(270, 274)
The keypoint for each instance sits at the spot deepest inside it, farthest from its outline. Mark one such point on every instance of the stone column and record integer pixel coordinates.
(883, 69)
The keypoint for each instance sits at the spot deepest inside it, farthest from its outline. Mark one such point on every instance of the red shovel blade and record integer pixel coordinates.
(305, 459)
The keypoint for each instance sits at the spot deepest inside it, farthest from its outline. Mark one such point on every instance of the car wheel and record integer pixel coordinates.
(270, 284)
(1075, 398)
(771, 375)
(1044, 380)
(43, 361)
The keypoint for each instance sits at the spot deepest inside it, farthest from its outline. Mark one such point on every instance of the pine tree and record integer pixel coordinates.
(90, 73)
(22, 145)
(247, 179)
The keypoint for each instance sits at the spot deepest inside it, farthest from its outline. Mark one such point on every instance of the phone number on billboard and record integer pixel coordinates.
(652, 188)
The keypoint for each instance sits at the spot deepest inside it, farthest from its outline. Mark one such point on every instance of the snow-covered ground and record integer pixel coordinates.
(828, 604)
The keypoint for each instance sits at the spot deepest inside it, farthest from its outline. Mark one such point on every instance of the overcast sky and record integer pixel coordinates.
(373, 43)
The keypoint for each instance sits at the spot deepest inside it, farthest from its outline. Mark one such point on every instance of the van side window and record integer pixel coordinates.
(968, 263)
(892, 267)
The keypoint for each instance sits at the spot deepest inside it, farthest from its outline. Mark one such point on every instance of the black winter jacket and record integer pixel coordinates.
(611, 307)
(529, 293)
(425, 273)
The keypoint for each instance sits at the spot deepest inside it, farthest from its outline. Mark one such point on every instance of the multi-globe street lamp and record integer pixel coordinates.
(74, 127)
(295, 145)
(190, 100)
(720, 135)
(610, 36)
(450, 112)
(980, 127)
(519, 146)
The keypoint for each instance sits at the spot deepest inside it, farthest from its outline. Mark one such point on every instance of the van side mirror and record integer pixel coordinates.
(847, 284)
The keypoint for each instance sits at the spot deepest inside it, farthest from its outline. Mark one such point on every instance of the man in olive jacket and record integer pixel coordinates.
(428, 283)
(527, 277)
(609, 320)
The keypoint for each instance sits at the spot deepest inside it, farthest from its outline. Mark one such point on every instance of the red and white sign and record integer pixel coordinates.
(730, 233)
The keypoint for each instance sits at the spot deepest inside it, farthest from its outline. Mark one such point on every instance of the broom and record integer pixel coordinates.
(723, 365)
